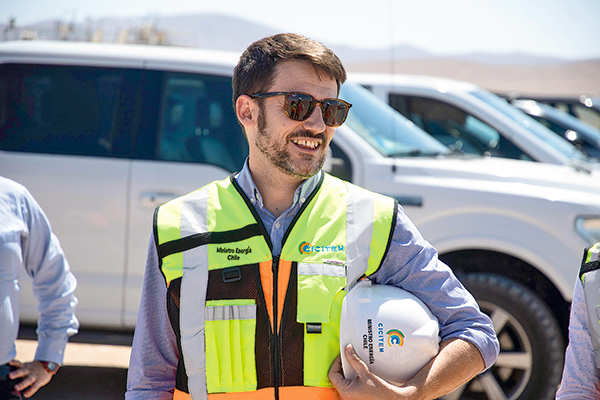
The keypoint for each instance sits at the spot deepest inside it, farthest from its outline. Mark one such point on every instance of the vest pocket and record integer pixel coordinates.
(320, 295)
(317, 286)
(230, 327)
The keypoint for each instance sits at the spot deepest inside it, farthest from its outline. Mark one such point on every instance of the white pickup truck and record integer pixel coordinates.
(470, 119)
(102, 134)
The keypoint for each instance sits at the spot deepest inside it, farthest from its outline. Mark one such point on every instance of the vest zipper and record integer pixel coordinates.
(275, 355)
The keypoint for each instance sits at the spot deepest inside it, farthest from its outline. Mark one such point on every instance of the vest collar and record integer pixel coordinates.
(246, 183)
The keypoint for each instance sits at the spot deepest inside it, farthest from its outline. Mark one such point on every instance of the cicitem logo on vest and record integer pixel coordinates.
(309, 248)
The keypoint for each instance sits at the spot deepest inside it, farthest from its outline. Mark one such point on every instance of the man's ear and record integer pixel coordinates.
(244, 109)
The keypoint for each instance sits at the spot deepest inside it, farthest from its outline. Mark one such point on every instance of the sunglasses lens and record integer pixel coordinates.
(299, 106)
(334, 112)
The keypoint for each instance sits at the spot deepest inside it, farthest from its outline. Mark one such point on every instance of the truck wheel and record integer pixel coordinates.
(531, 345)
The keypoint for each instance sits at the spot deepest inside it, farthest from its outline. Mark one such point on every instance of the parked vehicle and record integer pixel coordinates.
(470, 119)
(585, 108)
(582, 135)
(102, 134)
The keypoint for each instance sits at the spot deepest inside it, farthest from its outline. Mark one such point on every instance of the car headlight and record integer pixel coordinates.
(589, 228)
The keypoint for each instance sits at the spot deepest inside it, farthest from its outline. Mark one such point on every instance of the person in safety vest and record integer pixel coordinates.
(245, 277)
(581, 373)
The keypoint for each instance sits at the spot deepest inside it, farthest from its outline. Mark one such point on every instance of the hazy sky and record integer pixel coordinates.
(560, 28)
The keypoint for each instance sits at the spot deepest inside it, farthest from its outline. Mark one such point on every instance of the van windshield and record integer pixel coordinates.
(385, 129)
(531, 124)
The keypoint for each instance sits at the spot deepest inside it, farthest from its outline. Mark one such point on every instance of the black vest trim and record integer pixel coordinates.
(587, 267)
(201, 239)
(156, 244)
(391, 235)
(173, 307)
(250, 206)
(301, 210)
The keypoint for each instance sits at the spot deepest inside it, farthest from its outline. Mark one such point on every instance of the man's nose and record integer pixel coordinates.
(315, 122)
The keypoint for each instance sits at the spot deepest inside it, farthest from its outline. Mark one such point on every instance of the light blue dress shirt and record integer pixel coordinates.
(581, 376)
(26, 241)
(411, 264)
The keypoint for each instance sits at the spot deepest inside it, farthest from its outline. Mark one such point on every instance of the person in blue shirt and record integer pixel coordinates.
(27, 241)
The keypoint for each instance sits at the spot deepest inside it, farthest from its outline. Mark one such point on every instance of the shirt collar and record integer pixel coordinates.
(245, 181)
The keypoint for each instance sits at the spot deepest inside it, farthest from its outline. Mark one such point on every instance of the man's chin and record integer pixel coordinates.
(300, 167)
(305, 172)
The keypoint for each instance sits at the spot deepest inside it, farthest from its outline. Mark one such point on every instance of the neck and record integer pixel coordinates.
(276, 189)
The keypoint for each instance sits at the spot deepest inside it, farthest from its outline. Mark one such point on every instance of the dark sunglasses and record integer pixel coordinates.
(300, 106)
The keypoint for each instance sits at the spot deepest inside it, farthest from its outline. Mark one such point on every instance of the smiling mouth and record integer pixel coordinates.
(309, 144)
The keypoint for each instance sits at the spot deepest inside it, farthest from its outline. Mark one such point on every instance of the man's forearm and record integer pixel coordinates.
(457, 362)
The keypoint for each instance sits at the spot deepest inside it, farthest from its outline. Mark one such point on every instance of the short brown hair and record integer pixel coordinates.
(255, 70)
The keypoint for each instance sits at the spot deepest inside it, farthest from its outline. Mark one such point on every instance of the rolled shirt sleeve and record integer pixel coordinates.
(413, 265)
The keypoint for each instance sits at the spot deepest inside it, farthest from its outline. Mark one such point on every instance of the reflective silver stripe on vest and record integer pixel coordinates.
(193, 293)
(321, 269)
(359, 232)
(228, 313)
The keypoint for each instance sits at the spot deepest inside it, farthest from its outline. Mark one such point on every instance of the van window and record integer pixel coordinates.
(57, 109)
(198, 123)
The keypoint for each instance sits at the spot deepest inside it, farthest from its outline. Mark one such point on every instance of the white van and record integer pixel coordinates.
(102, 134)
(470, 119)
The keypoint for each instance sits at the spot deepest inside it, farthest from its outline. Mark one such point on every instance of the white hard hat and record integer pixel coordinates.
(393, 331)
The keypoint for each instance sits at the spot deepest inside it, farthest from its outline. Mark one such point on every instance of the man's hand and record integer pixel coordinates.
(366, 385)
(34, 377)
(457, 362)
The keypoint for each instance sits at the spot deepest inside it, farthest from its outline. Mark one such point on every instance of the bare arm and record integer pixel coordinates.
(457, 362)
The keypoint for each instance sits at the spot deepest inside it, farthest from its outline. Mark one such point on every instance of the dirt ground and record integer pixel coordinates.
(569, 79)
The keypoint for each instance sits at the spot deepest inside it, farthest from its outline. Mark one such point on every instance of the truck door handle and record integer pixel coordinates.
(155, 199)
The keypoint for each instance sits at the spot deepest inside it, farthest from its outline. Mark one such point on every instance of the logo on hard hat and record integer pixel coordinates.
(395, 337)
(308, 248)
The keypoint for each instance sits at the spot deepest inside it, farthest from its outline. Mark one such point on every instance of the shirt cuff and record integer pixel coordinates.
(51, 349)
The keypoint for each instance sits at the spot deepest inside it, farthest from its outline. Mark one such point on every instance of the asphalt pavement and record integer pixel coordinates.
(95, 365)
(85, 383)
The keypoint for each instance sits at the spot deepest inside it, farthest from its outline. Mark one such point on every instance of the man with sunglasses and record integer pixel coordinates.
(254, 267)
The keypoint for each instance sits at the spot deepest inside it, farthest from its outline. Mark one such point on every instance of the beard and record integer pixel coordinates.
(277, 154)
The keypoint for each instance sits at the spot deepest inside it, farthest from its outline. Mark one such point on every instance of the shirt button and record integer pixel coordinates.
(253, 200)
(277, 225)
(302, 200)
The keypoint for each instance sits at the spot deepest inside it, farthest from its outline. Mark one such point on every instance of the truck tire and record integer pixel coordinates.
(531, 345)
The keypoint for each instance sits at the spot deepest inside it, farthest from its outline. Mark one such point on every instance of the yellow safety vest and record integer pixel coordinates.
(247, 322)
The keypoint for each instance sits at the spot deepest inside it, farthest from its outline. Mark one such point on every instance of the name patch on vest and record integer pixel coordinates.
(234, 253)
